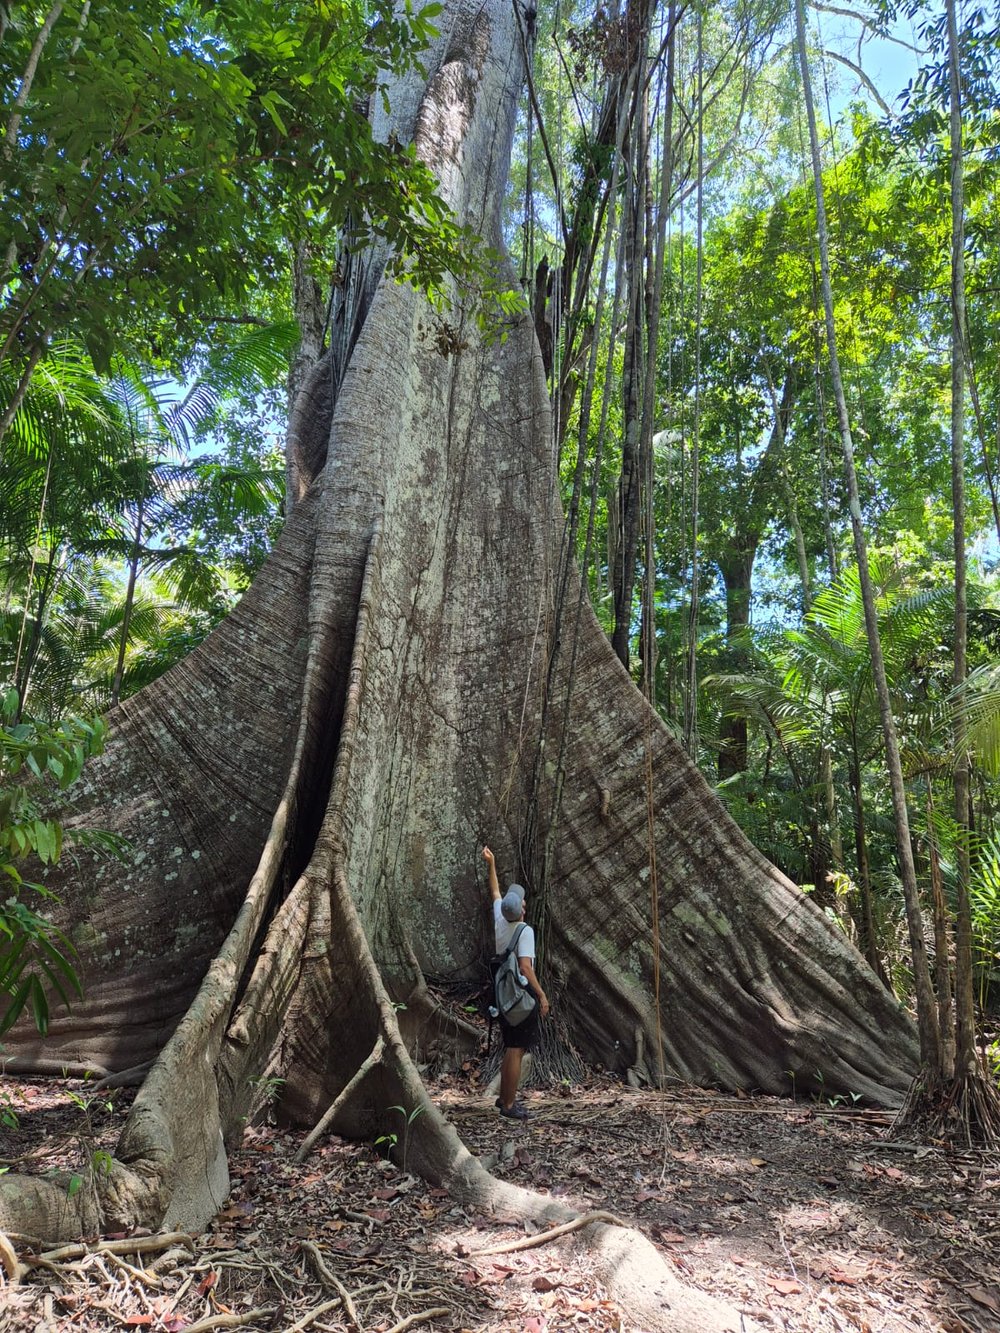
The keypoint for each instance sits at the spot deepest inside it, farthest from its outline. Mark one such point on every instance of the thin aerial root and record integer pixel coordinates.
(963, 1111)
(554, 1233)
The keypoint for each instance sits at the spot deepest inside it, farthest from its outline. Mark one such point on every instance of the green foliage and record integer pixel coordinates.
(166, 154)
(34, 955)
(97, 477)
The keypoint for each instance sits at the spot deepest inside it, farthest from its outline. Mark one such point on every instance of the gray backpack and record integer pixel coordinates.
(514, 1000)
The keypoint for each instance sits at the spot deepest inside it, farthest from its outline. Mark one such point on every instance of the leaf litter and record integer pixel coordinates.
(804, 1216)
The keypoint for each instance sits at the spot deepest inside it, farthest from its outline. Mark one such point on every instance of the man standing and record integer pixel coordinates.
(508, 913)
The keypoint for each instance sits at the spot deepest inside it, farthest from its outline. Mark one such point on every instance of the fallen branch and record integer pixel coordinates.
(411, 1321)
(543, 1237)
(330, 1280)
(136, 1245)
(363, 1069)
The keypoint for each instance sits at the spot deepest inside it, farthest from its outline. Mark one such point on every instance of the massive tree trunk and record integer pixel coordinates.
(307, 793)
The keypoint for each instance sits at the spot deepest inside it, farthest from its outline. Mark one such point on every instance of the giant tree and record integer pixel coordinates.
(307, 792)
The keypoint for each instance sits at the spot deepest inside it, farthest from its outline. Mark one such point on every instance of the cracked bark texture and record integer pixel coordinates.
(308, 792)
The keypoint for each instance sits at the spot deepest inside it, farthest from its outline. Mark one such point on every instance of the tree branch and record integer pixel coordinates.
(884, 106)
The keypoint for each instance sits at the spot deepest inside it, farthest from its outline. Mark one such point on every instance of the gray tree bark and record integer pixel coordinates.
(308, 792)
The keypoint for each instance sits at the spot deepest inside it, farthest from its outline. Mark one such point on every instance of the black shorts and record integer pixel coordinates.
(523, 1037)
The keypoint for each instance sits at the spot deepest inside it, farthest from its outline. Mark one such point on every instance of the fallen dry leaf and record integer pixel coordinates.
(758, 1161)
(988, 1296)
(785, 1285)
(842, 1276)
(543, 1283)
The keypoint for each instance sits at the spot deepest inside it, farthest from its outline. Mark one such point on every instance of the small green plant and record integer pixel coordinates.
(34, 955)
(97, 1161)
(266, 1092)
(8, 1115)
(391, 1139)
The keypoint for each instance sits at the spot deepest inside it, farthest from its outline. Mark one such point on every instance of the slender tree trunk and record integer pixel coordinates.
(868, 936)
(930, 1040)
(832, 563)
(133, 574)
(965, 1034)
(736, 567)
(630, 481)
(691, 691)
(654, 307)
(830, 799)
(14, 120)
(942, 948)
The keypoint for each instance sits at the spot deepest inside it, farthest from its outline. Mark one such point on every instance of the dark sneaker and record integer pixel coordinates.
(516, 1112)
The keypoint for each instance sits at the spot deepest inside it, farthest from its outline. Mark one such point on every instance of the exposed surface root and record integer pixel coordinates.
(963, 1112)
(331, 1280)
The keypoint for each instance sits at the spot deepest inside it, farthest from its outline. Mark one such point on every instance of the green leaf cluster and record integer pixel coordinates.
(156, 160)
(35, 957)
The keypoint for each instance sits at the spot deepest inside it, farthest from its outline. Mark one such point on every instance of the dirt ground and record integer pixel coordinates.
(802, 1215)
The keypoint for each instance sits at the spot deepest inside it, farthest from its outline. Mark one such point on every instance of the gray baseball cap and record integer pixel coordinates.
(512, 903)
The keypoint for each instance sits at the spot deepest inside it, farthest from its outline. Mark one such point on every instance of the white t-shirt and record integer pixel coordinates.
(505, 933)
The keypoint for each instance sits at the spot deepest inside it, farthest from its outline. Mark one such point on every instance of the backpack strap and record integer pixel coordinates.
(517, 935)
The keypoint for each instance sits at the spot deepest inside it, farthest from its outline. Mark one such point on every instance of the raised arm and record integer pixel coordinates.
(492, 869)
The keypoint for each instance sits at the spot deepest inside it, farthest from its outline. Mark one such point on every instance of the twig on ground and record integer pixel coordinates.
(543, 1237)
(411, 1321)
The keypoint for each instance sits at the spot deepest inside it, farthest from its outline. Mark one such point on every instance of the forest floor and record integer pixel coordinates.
(802, 1215)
